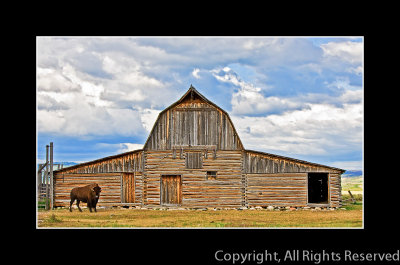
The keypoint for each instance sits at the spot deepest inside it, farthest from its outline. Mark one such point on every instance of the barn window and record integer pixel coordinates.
(211, 175)
(194, 160)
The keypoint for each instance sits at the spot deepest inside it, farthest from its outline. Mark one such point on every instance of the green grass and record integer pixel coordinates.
(42, 204)
(54, 219)
(357, 197)
(354, 184)
(357, 206)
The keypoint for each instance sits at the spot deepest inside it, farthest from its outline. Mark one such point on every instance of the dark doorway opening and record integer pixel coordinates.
(318, 188)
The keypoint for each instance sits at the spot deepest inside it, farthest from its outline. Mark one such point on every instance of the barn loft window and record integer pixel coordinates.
(194, 160)
(211, 175)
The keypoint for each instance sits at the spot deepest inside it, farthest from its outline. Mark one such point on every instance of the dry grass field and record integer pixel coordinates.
(354, 184)
(136, 218)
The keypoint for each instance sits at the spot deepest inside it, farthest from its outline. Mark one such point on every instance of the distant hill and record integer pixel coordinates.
(352, 173)
(65, 164)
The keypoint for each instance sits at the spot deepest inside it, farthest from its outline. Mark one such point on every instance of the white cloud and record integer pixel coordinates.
(249, 98)
(119, 147)
(89, 86)
(148, 118)
(90, 120)
(316, 130)
(351, 96)
(46, 102)
(50, 121)
(54, 80)
(347, 51)
(126, 147)
(195, 73)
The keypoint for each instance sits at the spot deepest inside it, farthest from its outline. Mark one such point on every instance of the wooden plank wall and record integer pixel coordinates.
(110, 184)
(130, 162)
(283, 182)
(284, 189)
(193, 123)
(335, 189)
(138, 188)
(225, 191)
(264, 163)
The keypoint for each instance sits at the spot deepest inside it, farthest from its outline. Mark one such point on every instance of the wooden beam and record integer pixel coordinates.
(41, 167)
(51, 176)
(352, 197)
(194, 147)
(47, 178)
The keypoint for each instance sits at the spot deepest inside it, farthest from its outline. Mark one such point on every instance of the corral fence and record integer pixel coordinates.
(45, 189)
(42, 186)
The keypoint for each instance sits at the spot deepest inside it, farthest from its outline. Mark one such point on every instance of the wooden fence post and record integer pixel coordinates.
(46, 175)
(39, 180)
(352, 197)
(51, 176)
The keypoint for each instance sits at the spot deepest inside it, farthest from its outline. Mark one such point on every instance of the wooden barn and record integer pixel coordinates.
(194, 158)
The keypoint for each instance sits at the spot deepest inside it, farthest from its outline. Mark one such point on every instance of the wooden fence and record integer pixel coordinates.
(45, 178)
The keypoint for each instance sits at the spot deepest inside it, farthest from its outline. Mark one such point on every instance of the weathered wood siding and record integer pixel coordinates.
(194, 160)
(280, 181)
(197, 191)
(287, 189)
(335, 190)
(264, 163)
(138, 188)
(110, 184)
(193, 123)
(171, 189)
(284, 189)
(128, 162)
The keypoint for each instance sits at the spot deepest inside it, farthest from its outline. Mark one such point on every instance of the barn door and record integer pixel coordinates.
(128, 188)
(171, 190)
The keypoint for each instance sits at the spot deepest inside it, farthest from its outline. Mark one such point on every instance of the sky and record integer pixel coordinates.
(300, 97)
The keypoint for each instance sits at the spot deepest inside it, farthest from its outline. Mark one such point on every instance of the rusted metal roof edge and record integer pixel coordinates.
(98, 160)
(296, 160)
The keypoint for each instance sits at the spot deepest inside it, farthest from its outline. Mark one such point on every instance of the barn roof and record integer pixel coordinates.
(190, 93)
(295, 160)
(98, 160)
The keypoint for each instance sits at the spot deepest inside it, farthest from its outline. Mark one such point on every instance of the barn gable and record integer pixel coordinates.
(193, 121)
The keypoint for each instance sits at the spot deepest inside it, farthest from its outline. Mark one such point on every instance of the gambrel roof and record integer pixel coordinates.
(192, 93)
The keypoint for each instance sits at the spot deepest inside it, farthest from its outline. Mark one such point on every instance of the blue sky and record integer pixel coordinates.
(300, 97)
